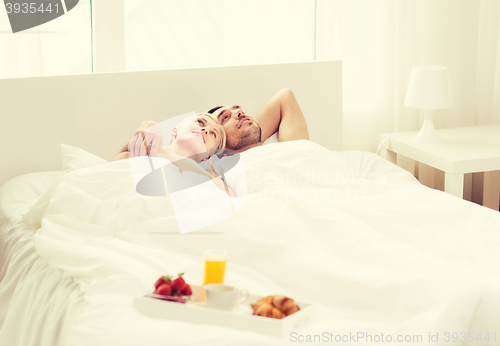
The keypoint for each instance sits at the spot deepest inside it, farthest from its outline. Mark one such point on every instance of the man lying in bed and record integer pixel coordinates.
(282, 113)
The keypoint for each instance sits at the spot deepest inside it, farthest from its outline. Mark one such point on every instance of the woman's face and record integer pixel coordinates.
(197, 136)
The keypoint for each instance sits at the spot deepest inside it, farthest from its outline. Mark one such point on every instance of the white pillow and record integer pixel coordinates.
(274, 138)
(74, 158)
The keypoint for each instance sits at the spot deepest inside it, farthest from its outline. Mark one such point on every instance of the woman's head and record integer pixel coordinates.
(198, 137)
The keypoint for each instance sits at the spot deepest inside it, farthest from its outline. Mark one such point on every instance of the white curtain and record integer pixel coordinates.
(383, 39)
(59, 47)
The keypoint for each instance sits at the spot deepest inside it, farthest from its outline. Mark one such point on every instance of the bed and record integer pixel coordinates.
(378, 253)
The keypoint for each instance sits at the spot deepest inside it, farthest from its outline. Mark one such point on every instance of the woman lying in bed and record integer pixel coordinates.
(194, 140)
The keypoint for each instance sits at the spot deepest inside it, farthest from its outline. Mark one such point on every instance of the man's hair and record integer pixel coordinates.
(213, 109)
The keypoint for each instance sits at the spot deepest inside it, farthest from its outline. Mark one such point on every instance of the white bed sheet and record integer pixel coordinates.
(34, 296)
(15, 199)
(404, 259)
(20, 191)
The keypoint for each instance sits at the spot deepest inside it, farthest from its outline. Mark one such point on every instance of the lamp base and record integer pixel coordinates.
(428, 133)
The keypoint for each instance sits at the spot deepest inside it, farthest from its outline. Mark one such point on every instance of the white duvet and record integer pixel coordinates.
(377, 251)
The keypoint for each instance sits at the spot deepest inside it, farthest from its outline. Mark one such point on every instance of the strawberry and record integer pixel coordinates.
(163, 279)
(187, 290)
(178, 284)
(163, 289)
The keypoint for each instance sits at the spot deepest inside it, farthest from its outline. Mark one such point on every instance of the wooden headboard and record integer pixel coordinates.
(99, 112)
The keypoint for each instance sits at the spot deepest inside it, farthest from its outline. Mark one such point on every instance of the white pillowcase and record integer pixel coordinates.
(274, 138)
(74, 158)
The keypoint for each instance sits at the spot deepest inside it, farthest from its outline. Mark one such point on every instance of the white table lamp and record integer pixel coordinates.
(429, 89)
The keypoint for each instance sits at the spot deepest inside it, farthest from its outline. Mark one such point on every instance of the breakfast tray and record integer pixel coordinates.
(241, 317)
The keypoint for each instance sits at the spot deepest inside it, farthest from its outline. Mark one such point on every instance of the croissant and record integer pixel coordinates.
(267, 310)
(285, 304)
(268, 300)
(275, 307)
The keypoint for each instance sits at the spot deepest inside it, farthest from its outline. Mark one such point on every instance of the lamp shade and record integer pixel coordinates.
(429, 88)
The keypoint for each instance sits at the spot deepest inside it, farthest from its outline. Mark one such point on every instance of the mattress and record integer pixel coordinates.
(375, 250)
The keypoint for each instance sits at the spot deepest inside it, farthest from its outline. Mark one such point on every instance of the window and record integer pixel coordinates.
(59, 47)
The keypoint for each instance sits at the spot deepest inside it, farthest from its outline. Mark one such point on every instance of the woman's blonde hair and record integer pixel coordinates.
(218, 129)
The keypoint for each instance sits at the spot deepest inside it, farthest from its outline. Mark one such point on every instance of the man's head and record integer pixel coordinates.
(241, 130)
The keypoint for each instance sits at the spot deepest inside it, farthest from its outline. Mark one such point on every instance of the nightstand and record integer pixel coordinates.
(465, 150)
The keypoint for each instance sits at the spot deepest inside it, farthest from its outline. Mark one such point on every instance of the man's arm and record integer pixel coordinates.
(282, 113)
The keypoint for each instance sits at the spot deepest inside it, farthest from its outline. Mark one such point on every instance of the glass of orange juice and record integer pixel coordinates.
(215, 268)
